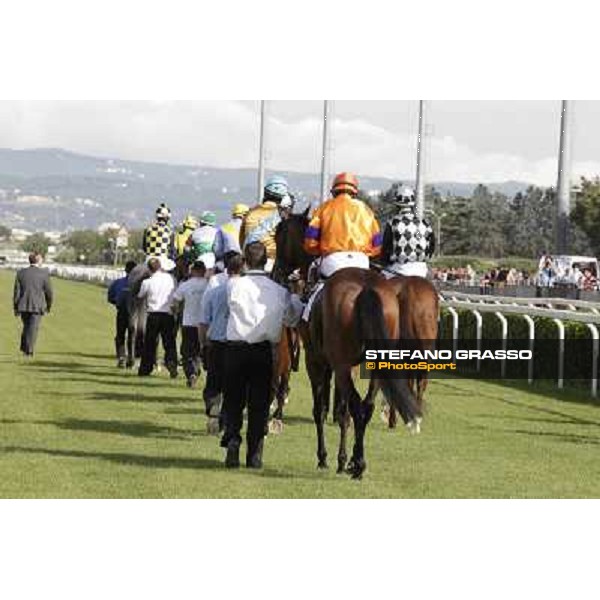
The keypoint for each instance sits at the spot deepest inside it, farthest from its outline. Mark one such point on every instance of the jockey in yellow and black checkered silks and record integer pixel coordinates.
(158, 237)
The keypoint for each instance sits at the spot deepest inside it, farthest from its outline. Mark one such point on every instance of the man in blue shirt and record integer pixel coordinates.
(213, 335)
(118, 296)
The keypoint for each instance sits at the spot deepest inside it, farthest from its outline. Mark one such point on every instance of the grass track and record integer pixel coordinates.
(73, 426)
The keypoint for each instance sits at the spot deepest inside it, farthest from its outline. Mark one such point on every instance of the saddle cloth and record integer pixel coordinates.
(315, 294)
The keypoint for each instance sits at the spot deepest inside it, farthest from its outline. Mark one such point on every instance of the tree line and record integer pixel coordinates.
(491, 224)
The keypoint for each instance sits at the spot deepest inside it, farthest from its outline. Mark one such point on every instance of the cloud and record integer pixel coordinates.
(225, 134)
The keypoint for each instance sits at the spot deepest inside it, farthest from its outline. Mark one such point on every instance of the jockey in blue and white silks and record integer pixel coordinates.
(260, 223)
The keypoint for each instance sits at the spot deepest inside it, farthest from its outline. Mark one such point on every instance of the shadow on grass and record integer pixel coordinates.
(138, 460)
(162, 462)
(562, 416)
(130, 428)
(564, 437)
(567, 420)
(542, 388)
(127, 380)
(99, 371)
(132, 397)
(199, 411)
(82, 355)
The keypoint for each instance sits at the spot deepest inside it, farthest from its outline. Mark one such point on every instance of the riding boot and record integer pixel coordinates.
(254, 457)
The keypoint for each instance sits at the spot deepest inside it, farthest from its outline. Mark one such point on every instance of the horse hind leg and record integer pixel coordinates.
(388, 412)
(342, 417)
(357, 465)
(422, 383)
(320, 379)
(281, 393)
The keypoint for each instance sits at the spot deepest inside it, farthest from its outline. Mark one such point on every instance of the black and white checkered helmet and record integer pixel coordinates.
(405, 197)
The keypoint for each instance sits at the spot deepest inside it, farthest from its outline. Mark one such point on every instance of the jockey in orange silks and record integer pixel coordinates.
(343, 232)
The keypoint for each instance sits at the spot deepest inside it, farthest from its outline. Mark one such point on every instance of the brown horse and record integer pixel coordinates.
(356, 306)
(419, 313)
(285, 363)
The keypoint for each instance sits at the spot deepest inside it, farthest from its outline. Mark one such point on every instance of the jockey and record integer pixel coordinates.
(343, 232)
(228, 235)
(189, 225)
(408, 241)
(260, 223)
(201, 242)
(158, 237)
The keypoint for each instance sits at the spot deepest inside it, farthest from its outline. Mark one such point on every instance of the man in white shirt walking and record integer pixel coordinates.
(158, 290)
(258, 310)
(191, 293)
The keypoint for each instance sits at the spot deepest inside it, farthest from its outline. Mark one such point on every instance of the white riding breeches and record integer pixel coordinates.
(342, 260)
(418, 269)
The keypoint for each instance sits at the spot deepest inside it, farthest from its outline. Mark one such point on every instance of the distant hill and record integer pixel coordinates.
(53, 189)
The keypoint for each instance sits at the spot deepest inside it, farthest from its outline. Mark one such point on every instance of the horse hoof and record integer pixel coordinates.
(341, 469)
(322, 465)
(276, 426)
(414, 426)
(356, 468)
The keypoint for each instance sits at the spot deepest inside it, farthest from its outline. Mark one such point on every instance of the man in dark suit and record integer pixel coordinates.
(32, 299)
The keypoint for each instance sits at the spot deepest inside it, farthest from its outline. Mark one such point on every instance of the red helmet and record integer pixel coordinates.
(345, 182)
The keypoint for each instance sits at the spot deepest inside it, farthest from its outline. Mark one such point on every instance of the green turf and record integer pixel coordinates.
(73, 426)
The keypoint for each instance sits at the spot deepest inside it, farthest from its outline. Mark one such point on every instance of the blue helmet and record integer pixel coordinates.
(276, 188)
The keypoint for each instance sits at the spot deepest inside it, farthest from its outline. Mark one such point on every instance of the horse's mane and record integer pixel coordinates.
(300, 218)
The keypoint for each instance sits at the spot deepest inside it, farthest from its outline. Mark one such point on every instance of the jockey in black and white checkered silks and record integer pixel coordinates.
(408, 241)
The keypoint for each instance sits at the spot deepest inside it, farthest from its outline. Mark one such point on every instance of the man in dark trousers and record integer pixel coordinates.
(258, 310)
(213, 338)
(190, 293)
(118, 296)
(31, 300)
(158, 292)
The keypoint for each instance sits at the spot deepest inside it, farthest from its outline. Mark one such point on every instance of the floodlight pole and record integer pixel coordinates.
(326, 151)
(262, 151)
(563, 186)
(421, 156)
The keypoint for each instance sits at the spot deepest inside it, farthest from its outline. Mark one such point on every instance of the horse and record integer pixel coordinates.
(287, 354)
(355, 306)
(419, 314)
(285, 363)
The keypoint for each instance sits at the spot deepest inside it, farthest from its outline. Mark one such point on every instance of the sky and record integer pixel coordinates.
(468, 141)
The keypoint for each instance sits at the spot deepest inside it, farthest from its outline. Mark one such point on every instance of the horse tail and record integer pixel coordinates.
(372, 326)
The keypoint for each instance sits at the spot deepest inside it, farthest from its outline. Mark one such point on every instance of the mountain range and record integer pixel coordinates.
(56, 190)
